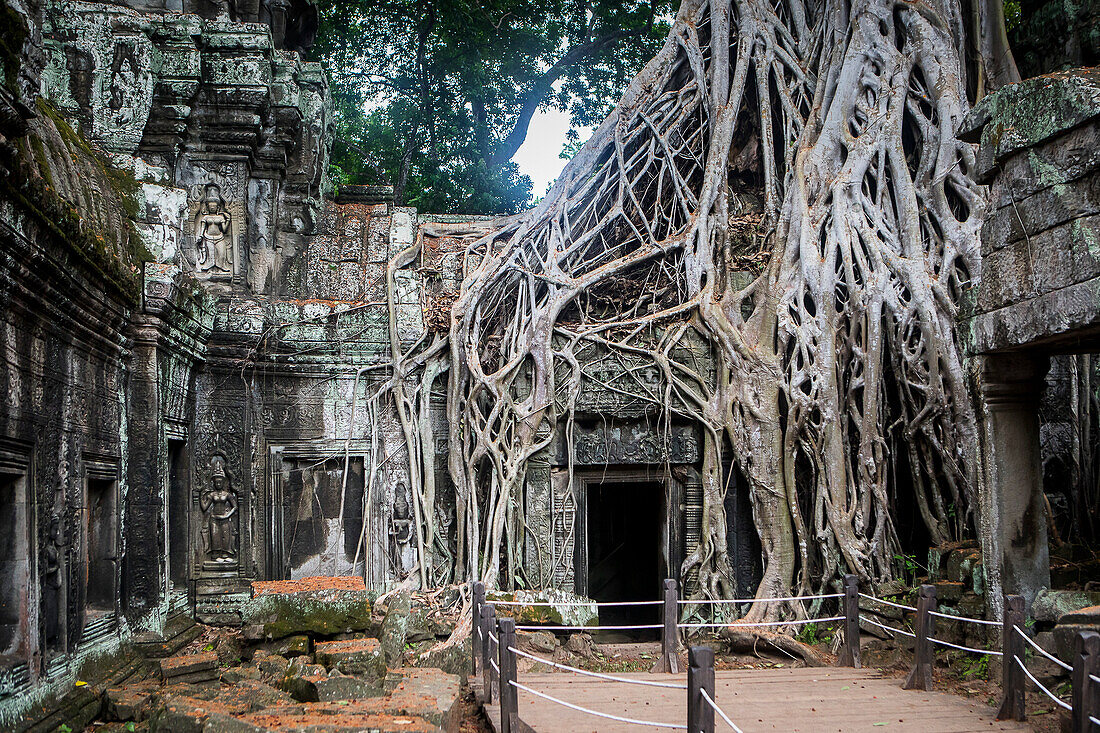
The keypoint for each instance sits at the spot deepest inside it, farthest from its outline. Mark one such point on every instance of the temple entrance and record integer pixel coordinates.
(178, 522)
(621, 555)
(101, 531)
(15, 566)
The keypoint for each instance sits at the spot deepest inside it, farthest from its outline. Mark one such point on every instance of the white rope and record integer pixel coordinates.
(720, 712)
(588, 628)
(949, 617)
(1044, 690)
(600, 604)
(1094, 720)
(1094, 678)
(613, 678)
(887, 628)
(1042, 651)
(494, 665)
(887, 603)
(720, 601)
(609, 716)
(965, 648)
(493, 638)
(739, 625)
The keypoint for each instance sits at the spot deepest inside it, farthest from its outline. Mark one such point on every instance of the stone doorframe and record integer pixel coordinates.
(274, 567)
(569, 542)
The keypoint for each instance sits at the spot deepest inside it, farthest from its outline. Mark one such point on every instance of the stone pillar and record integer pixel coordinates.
(144, 570)
(1014, 540)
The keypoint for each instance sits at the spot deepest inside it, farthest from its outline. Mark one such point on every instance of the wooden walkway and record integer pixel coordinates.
(817, 700)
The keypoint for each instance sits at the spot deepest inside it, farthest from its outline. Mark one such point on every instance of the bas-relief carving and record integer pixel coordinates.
(402, 539)
(213, 229)
(632, 442)
(218, 504)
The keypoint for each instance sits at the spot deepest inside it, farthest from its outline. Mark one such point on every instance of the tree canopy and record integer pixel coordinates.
(437, 97)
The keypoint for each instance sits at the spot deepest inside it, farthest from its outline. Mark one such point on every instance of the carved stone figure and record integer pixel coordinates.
(219, 508)
(403, 552)
(213, 237)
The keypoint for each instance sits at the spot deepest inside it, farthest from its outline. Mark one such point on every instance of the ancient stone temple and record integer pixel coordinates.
(192, 326)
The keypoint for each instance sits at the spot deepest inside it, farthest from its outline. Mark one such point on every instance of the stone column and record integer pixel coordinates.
(1014, 540)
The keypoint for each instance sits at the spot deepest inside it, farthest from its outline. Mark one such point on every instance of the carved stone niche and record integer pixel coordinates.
(212, 234)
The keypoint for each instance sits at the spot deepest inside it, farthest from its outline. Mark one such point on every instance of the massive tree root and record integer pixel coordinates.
(781, 184)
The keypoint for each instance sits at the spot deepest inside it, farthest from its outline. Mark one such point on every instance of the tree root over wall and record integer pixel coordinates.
(812, 144)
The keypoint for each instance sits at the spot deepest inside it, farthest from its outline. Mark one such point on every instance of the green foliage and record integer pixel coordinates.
(435, 97)
(813, 634)
(974, 668)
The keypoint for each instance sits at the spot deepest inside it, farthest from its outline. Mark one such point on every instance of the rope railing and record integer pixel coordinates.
(967, 619)
(496, 654)
(573, 604)
(598, 675)
(1042, 688)
(721, 713)
(1040, 649)
(623, 627)
(747, 601)
(597, 713)
(754, 624)
(886, 627)
(885, 602)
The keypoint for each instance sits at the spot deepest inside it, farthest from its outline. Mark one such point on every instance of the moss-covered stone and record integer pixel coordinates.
(322, 613)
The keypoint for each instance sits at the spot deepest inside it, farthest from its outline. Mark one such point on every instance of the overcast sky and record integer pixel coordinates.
(538, 156)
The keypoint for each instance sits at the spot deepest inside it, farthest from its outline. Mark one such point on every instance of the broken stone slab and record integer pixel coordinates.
(130, 702)
(395, 626)
(1051, 605)
(245, 672)
(559, 612)
(291, 646)
(352, 656)
(218, 723)
(337, 686)
(428, 693)
(451, 656)
(537, 642)
(301, 680)
(179, 714)
(292, 608)
(352, 717)
(248, 696)
(190, 668)
(178, 632)
(272, 666)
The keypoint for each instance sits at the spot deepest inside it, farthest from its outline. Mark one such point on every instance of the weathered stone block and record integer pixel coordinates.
(325, 611)
(352, 656)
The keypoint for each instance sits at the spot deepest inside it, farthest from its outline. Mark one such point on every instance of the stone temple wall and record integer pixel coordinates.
(193, 329)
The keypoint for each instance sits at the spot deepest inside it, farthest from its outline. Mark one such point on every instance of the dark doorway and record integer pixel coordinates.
(179, 489)
(625, 523)
(15, 565)
(102, 534)
(318, 540)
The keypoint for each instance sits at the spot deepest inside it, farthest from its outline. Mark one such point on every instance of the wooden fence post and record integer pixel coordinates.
(1086, 662)
(509, 695)
(700, 677)
(1012, 647)
(487, 624)
(476, 649)
(670, 637)
(849, 653)
(920, 677)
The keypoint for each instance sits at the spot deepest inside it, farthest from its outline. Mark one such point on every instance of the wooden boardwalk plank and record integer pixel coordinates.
(816, 700)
